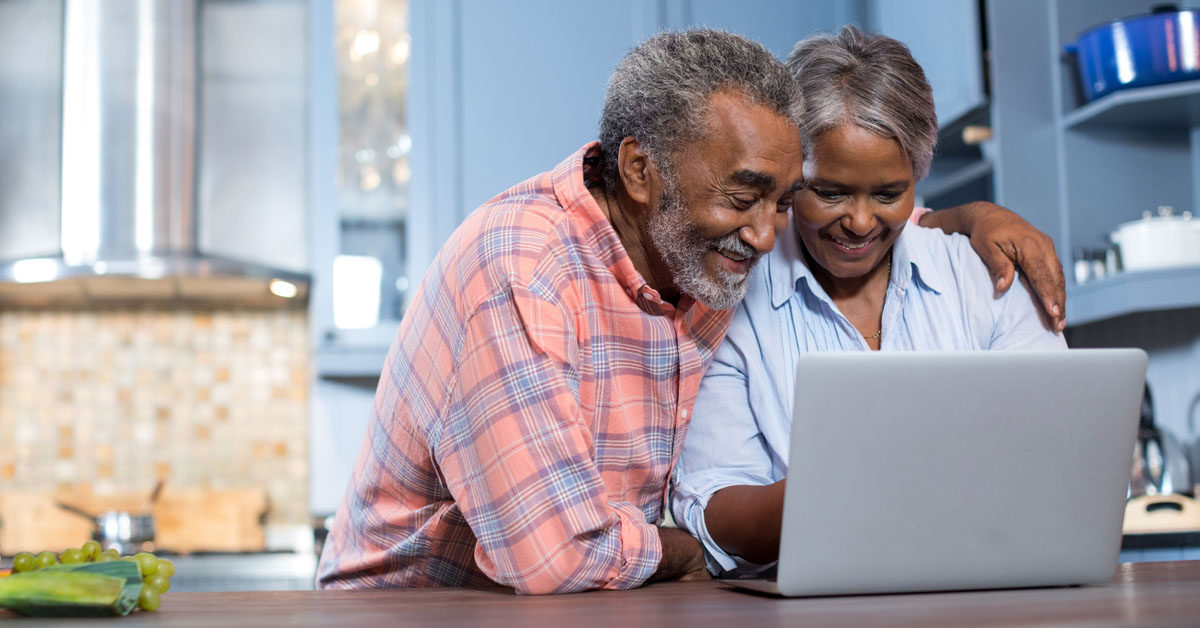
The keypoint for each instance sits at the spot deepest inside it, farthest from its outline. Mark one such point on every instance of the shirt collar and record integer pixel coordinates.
(911, 263)
(570, 186)
(570, 179)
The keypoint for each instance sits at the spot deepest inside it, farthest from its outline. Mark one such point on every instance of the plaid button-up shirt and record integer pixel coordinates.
(530, 410)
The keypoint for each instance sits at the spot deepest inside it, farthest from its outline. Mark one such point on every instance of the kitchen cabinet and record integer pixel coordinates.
(31, 42)
(1138, 548)
(254, 132)
(946, 39)
(1076, 170)
(266, 571)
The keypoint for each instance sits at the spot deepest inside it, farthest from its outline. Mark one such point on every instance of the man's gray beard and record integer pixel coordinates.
(682, 249)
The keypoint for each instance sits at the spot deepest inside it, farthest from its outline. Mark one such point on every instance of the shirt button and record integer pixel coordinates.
(683, 413)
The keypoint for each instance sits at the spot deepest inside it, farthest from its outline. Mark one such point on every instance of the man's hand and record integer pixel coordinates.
(682, 557)
(1002, 239)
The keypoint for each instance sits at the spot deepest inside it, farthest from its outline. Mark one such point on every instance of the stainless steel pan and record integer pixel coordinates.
(128, 532)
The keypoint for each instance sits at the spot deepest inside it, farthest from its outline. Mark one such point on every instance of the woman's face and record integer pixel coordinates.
(857, 198)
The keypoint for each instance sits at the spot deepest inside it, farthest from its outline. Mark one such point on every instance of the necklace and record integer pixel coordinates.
(879, 334)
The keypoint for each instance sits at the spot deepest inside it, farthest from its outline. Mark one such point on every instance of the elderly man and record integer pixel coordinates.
(538, 392)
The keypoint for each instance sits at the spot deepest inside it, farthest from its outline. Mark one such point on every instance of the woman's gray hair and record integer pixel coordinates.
(870, 80)
(659, 92)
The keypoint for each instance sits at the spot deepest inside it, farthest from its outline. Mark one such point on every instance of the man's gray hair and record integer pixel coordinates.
(659, 92)
(870, 80)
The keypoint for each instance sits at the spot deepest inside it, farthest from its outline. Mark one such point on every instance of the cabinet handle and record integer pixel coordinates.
(976, 134)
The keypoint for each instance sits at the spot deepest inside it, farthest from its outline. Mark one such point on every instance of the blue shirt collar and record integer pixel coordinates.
(911, 263)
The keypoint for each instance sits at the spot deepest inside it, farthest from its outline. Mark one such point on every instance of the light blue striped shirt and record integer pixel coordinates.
(940, 298)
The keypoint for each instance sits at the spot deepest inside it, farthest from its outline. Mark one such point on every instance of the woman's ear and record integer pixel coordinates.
(637, 173)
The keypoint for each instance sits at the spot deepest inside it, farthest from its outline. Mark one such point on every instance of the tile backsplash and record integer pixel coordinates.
(110, 400)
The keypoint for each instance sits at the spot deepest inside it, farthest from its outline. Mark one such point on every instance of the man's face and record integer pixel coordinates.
(720, 207)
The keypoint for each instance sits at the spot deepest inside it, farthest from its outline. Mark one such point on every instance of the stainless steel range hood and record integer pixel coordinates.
(128, 225)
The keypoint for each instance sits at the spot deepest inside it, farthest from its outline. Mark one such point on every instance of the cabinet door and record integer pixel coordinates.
(254, 141)
(30, 127)
(533, 73)
(944, 36)
(533, 79)
(776, 24)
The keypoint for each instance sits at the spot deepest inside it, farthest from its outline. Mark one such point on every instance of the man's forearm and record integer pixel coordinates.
(745, 520)
(682, 556)
(952, 220)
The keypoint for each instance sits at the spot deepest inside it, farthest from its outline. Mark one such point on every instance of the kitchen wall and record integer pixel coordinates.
(109, 400)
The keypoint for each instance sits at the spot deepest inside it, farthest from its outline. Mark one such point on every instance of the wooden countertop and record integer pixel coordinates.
(1166, 593)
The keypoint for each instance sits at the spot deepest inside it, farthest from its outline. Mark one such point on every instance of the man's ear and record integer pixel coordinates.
(637, 173)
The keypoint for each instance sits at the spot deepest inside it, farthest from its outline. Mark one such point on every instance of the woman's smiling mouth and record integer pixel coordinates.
(853, 248)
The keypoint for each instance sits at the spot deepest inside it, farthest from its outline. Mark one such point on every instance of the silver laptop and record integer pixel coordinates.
(952, 471)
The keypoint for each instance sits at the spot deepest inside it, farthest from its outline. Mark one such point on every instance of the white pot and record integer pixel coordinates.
(1158, 242)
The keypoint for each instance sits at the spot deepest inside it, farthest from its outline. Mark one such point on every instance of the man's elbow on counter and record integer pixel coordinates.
(575, 570)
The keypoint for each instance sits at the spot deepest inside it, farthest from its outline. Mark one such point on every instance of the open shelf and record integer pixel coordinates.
(355, 352)
(1132, 292)
(948, 175)
(1174, 105)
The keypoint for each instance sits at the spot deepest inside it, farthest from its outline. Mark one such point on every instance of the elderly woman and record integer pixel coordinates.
(855, 275)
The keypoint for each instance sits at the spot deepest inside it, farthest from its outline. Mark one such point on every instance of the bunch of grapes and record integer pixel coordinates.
(156, 572)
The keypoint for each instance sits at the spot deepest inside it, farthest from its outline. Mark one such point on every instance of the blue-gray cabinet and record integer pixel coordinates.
(1077, 170)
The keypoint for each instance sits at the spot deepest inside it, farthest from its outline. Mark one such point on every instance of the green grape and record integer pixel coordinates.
(166, 567)
(24, 562)
(158, 582)
(150, 599)
(148, 562)
(71, 556)
(112, 553)
(46, 559)
(91, 550)
(104, 557)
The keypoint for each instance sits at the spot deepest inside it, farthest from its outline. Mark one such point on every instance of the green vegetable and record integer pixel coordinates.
(148, 562)
(166, 567)
(46, 559)
(150, 599)
(24, 561)
(77, 590)
(90, 550)
(158, 582)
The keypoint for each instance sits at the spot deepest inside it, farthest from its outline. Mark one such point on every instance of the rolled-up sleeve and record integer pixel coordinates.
(724, 447)
(1019, 323)
(516, 455)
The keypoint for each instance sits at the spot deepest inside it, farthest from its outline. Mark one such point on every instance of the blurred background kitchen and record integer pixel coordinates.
(212, 213)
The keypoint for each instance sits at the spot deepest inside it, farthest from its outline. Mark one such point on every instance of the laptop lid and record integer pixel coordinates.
(914, 471)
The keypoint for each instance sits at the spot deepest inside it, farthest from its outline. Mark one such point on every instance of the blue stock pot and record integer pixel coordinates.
(1161, 47)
